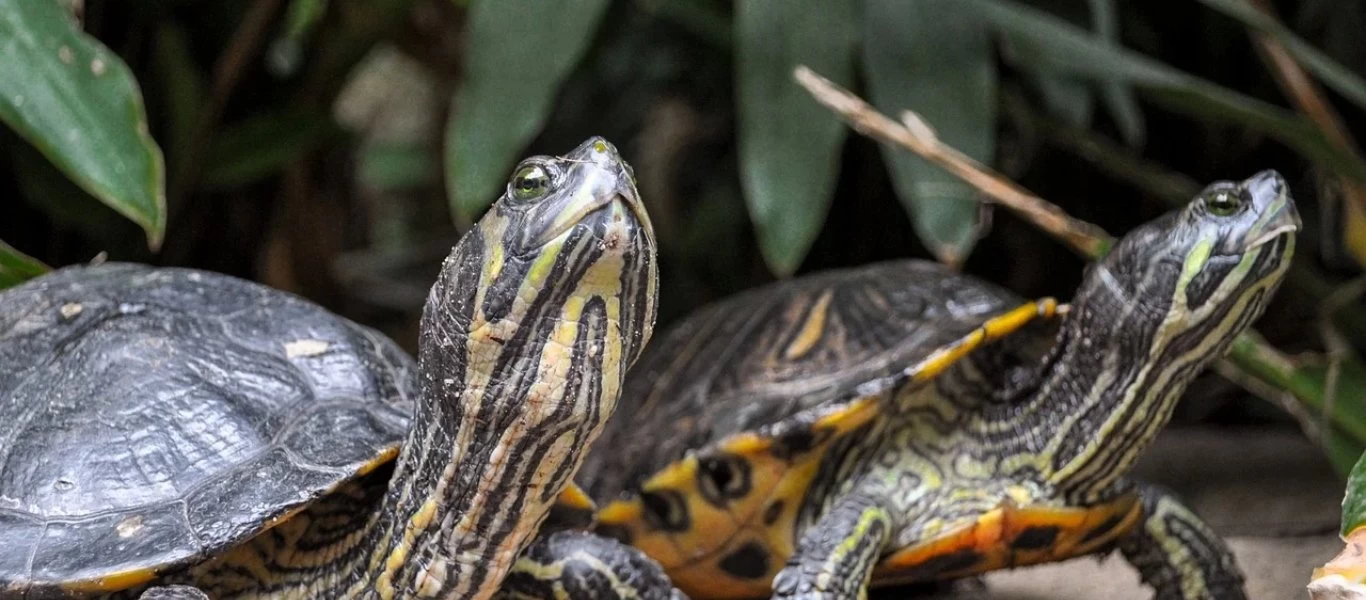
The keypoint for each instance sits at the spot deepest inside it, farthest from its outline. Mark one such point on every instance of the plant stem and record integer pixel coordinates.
(1084, 238)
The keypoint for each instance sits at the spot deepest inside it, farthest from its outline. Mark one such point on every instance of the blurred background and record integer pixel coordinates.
(337, 148)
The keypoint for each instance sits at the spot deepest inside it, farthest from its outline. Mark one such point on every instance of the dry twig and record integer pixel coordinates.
(915, 135)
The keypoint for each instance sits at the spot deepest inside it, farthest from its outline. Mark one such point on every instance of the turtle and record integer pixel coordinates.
(902, 422)
(178, 433)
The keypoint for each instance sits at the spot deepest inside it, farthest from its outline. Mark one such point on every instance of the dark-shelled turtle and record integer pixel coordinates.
(168, 427)
(823, 434)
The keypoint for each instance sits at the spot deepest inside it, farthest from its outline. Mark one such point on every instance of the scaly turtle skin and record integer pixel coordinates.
(201, 433)
(794, 440)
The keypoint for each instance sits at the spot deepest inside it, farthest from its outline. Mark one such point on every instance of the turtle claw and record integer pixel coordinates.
(174, 592)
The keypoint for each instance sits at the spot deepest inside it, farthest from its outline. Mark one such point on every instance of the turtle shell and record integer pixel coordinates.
(150, 418)
(781, 354)
(743, 400)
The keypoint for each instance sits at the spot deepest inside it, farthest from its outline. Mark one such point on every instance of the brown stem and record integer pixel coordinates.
(1084, 238)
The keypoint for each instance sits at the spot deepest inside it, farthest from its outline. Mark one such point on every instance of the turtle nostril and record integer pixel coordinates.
(1264, 187)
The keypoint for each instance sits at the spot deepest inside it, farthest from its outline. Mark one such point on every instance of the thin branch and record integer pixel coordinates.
(1085, 238)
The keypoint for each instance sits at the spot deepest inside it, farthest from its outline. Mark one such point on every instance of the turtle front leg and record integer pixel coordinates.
(577, 565)
(835, 557)
(1178, 554)
(173, 592)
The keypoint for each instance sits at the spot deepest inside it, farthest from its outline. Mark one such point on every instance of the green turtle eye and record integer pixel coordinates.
(1224, 204)
(530, 182)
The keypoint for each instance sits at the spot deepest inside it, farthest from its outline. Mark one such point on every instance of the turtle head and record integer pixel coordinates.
(1205, 270)
(526, 338)
(556, 284)
(568, 242)
(1164, 303)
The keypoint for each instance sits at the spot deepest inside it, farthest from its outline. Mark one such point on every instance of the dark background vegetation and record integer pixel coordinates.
(305, 141)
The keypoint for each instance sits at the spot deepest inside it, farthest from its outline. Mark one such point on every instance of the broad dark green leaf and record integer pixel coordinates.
(706, 20)
(1333, 73)
(262, 145)
(1072, 51)
(934, 57)
(79, 105)
(17, 267)
(517, 53)
(789, 145)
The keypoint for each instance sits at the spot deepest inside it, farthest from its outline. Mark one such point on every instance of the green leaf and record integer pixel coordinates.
(1332, 409)
(17, 267)
(1333, 73)
(262, 145)
(181, 89)
(934, 57)
(1072, 51)
(79, 105)
(1067, 99)
(285, 55)
(789, 146)
(1337, 404)
(1354, 504)
(1118, 97)
(398, 166)
(517, 54)
(708, 21)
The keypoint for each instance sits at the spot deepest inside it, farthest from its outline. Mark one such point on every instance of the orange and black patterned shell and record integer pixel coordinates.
(770, 355)
(152, 417)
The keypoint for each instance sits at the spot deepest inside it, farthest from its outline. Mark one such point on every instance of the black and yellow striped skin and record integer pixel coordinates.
(526, 337)
(797, 441)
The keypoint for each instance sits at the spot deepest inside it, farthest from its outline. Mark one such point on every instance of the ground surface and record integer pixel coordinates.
(1269, 492)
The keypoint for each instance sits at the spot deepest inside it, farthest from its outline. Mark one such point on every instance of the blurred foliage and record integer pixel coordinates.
(1354, 504)
(78, 104)
(335, 148)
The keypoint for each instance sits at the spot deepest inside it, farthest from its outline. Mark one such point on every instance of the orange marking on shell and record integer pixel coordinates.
(384, 457)
(850, 417)
(573, 497)
(993, 329)
(989, 543)
(692, 557)
(675, 475)
(112, 582)
(746, 443)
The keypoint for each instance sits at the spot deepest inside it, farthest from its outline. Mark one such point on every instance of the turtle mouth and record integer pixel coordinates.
(603, 187)
(1273, 234)
(1284, 220)
(599, 208)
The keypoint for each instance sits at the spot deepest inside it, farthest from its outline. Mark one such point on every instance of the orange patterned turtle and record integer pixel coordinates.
(836, 432)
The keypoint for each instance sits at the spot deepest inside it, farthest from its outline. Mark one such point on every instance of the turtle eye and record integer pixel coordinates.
(1223, 204)
(530, 182)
